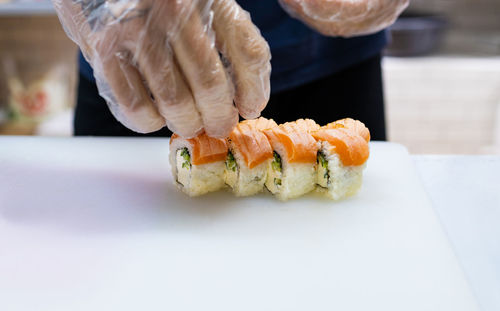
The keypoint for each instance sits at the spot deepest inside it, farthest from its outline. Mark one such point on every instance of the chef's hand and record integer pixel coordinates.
(157, 62)
(346, 18)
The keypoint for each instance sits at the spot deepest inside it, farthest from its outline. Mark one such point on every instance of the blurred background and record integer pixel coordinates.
(441, 71)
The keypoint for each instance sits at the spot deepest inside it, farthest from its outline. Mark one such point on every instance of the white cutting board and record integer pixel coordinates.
(96, 224)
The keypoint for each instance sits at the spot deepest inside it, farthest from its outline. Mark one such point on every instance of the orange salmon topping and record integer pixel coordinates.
(260, 123)
(354, 125)
(300, 145)
(351, 147)
(205, 149)
(251, 142)
(307, 124)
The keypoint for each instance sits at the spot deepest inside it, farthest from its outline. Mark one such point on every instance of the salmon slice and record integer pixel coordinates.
(308, 124)
(205, 149)
(297, 140)
(354, 125)
(261, 123)
(251, 142)
(352, 149)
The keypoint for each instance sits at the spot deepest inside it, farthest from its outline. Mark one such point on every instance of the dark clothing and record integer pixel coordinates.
(354, 92)
(299, 54)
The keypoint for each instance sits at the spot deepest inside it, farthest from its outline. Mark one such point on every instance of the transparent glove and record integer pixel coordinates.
(345, 18)
(192, 65)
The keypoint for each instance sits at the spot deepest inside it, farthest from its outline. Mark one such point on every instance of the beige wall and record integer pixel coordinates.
(34, 44)
(444, 104)
(450, 103)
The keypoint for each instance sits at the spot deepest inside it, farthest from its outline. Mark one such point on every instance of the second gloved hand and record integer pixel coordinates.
(346, 18)
(185, 64)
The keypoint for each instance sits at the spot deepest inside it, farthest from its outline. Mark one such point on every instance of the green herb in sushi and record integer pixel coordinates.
(276, 164)
(187, 158)
(324, 163)
(231, 162)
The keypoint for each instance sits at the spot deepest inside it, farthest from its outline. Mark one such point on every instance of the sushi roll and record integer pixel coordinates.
(343, 152)
(198, 163)
(292, 172)
(248, 158)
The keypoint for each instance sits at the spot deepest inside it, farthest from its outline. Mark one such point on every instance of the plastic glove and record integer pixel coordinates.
(158, 62)
(346, 17)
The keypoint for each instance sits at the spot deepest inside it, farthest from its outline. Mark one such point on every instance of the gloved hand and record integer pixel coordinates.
(157, 62)
(345, 18)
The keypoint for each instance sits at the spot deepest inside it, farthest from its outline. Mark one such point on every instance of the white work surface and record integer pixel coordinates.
(465, 192)
(96, 224)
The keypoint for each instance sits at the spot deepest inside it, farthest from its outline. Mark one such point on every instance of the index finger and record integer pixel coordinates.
(249, 56)
(127, 97)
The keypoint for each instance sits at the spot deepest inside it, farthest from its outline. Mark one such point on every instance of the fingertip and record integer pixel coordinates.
(250, 114)
(186, 131)
(251, 101)
(222, 128)
(140, 119)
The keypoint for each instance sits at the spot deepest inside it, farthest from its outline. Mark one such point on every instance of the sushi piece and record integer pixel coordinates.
(342, 157)
(248, 158)
(198, 163)
(355, 126)
(292, 172)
